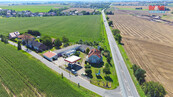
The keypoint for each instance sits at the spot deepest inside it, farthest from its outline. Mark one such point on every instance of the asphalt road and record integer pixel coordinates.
(76, 79)
(127, 86)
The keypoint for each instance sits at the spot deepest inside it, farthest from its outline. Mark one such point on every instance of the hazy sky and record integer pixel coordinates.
(86, 0)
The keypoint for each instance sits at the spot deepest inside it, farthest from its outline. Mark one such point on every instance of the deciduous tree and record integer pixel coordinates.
(153, 89)
(58, 43)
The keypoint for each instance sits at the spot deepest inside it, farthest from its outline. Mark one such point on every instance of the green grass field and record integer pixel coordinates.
(22, 75)
(34, 8)
(87, 28)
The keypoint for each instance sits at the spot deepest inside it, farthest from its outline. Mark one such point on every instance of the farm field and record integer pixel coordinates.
(131, 7)
(79, 9)
(34, 8)
(87, 28)
(149, 45)
(22, 75)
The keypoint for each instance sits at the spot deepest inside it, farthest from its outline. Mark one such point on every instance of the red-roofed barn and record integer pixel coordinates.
(50, 56)
(94, 56)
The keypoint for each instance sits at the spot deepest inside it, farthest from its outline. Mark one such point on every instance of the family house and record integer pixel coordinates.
(25, 36)
(14, 35)
(36, 45)
(94, 56)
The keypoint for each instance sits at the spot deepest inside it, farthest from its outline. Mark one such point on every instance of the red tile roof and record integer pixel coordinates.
(24, 36)
(49, 54)
(94, 52)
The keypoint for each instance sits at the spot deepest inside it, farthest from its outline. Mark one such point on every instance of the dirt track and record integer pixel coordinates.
(149, 45)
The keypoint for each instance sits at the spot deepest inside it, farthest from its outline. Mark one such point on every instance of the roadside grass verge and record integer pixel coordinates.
(129, 65)
(24, 75)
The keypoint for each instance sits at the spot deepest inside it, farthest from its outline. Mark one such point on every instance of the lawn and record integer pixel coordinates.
(87, 28)
(22, 75)
(34, 8)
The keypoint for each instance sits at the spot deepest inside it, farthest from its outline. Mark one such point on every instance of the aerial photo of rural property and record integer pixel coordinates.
(86, 48)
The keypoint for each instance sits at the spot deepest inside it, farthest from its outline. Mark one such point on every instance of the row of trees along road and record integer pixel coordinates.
(117, 35)
(151, 89)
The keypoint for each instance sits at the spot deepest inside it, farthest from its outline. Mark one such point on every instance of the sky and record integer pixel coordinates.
(86, 0)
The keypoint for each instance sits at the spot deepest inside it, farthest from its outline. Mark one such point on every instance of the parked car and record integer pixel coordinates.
(73, 71)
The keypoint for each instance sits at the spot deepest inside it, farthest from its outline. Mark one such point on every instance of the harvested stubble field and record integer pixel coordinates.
(23, 76)
(79, 9)
(132, 7)
(149, 45)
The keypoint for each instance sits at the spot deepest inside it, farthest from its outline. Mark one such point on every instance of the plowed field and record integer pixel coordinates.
(149, 45)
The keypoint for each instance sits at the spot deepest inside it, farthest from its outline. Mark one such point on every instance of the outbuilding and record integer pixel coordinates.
(50, 56)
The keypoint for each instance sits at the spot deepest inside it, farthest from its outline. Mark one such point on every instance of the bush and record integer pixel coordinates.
(107, 18)
(80, 41)
(140, 75)
(34, 32)
(88, 72)
(58, 43)
(106, 69)
(153, 89)
(19, 45)
(135, 67)
(118, 37)
(115, 31)
(46, 40)
(87, 50)
(110, 23)
(87, 66)
(66, 44)
(65, 39)
(77, 53)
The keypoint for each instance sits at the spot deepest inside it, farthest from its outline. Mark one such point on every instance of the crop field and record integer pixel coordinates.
(34, 8)
(149, 45)
(79, 9)
(87, 28)
(131, 7)
(22, 75)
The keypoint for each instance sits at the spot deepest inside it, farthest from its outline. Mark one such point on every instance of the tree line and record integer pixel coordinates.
(151, 89)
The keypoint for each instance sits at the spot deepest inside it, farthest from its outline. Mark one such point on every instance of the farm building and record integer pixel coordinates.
(72, 49)
(50, 56)
(14, 35)
(83, 48)
(94, 56)
(68, 50)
